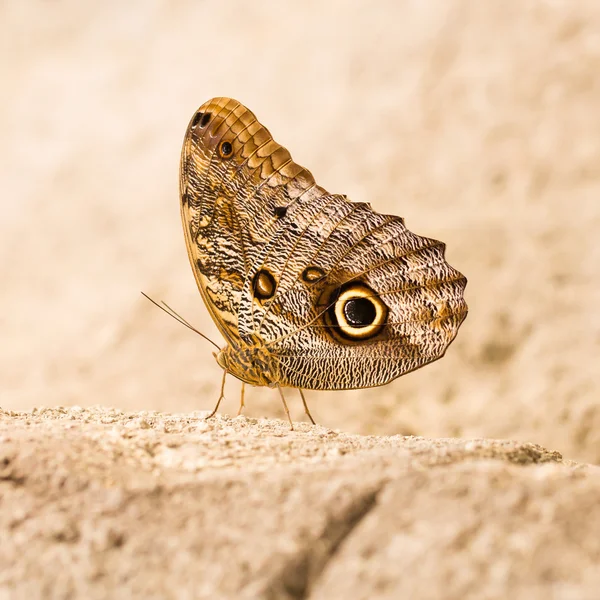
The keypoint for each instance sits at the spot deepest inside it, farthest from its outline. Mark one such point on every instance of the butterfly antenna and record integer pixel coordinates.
(166, 308)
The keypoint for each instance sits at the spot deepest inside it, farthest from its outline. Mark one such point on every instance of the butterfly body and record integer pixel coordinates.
(309, 289)
(250, 363)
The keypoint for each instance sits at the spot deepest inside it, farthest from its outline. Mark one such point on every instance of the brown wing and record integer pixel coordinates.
(341, 296)
(339, 254)
(234, 180)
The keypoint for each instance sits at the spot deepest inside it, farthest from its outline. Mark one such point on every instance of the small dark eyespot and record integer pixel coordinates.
(202, 118)
(264, 285)
(197, 118)
(225, 149)
(280, 211)
(312, 274)
(360, 312)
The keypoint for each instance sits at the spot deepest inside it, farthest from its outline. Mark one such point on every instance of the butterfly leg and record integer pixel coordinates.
(287, 410)
(306, 407)
(221, 396)
(239, 412)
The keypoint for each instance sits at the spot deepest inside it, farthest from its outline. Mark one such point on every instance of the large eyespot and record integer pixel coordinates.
(225, 150)
(356, 312)
(264, 285)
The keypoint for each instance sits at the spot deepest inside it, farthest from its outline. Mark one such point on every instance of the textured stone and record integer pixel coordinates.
(476, 121)
(96, 503)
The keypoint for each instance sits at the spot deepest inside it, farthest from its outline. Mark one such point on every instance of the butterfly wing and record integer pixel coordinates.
(360, 299)
(233, 178)
(341, 296)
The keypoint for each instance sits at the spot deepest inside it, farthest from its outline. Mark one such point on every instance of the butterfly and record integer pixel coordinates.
(309, 290)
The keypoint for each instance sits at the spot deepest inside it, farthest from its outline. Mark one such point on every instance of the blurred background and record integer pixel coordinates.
(478, 122)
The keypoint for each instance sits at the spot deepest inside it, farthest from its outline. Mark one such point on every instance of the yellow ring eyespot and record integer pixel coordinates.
(358, 313)
(225, 150)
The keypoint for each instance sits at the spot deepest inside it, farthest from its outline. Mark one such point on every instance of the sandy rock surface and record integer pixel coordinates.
(97, 503)
(476, 121)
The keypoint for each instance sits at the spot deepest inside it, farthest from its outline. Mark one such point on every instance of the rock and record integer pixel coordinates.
(476, 121)
(98, 503)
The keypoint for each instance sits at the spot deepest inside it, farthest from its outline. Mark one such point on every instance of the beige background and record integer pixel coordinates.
(479, 122)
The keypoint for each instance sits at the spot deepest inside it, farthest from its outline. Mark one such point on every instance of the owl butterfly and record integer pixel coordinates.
(310, 290)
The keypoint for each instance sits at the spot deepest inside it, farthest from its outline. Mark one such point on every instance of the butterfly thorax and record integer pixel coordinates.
(250, 364)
